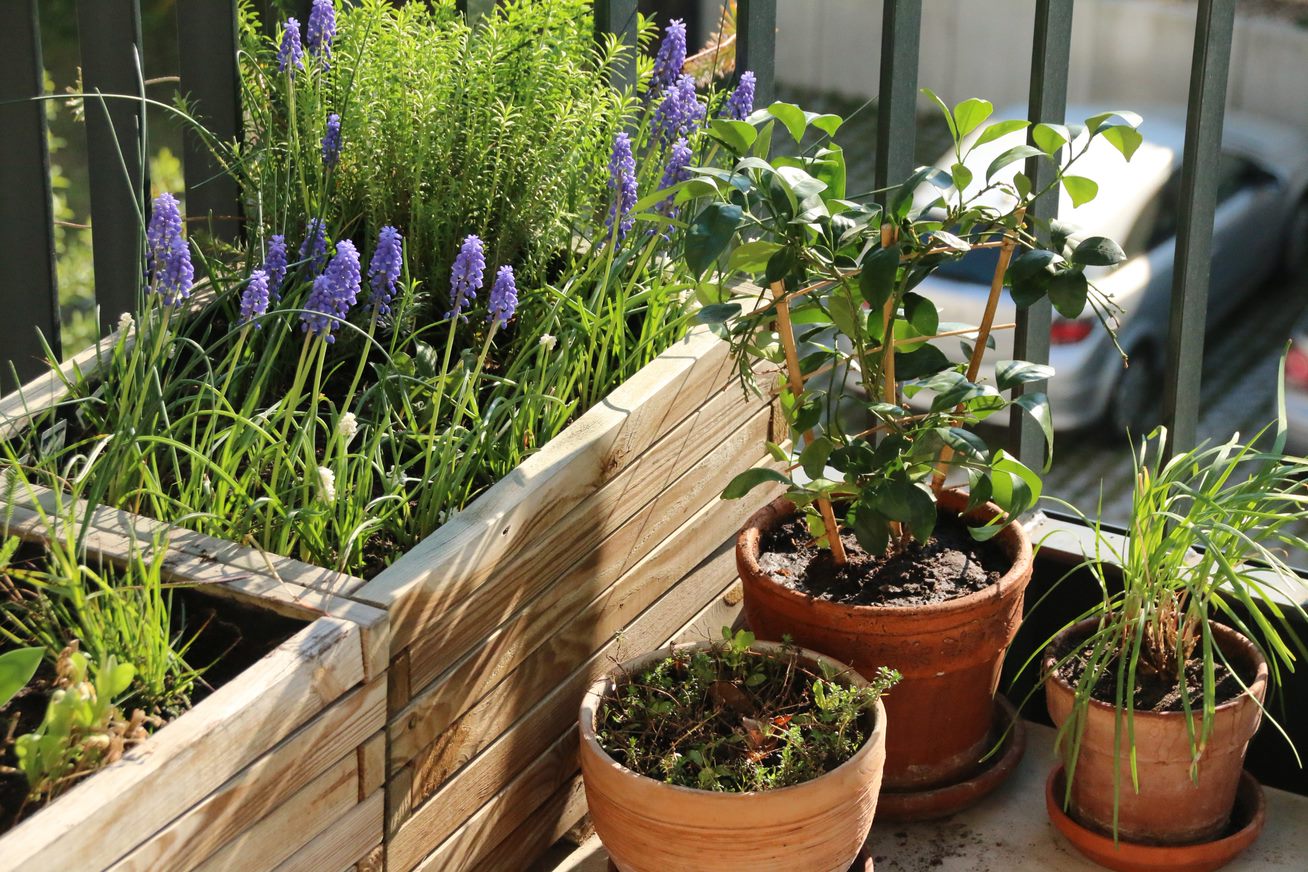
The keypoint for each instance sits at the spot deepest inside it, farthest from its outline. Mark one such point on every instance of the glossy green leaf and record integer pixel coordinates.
(1068, 291)
(1036, 404)
(877, 280)
(1125, 139)
(870, 529)
(1098, 251)
(1010, 373)
(1000, 129)
(964, 442)
(921, 314)
(971, 114)
(813, 459)
(925, 360)
(1049, 138)
(710, 234)
(827, 123)
(801, 182)
(16, 669)
(790, 115)
(1080, 189)
(944, 110)
(753, 256)
(717, 313)
(962, 176)
(1012, 155)
(1124, 117)
(750, 479)
(736, 135)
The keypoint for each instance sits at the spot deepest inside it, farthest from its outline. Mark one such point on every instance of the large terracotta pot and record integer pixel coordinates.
(949, 653)
(647, 825)
(1170, 807)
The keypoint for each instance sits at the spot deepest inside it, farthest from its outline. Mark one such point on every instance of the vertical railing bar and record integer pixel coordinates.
(111, 40)
(756, 46)
(29, 292)
(207, 46)
(1214, 30)
(619, 17)
(901, 25)
(1047, 101)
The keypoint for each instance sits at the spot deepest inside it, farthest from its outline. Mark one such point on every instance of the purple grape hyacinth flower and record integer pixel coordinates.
(677, 171)
(334, 292)
(322, 30)
(467, 276)
(680, 112)
(384, 268)
(503, 297)
(254, 300)
(274, 265)
(168, 257)
(331, 141)
(671, 57)
(741, 102)
(314, 246)
(290, 54)
(622, 186)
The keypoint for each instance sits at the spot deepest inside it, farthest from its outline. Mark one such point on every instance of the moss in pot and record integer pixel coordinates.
(736, 754)
(1158, 689)
(867, 556)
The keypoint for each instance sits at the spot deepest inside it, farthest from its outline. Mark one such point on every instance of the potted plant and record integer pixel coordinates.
(867, 557)
(732, 755)
(1159, 687)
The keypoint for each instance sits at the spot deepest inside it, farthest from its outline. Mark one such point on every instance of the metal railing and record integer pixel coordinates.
(207, 42)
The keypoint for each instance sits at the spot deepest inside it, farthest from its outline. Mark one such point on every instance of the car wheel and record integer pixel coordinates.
(1294, 255)
(1136, 407)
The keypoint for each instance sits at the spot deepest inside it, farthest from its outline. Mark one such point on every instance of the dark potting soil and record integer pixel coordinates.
(1155, 692)
(232, 637)
(949, 565)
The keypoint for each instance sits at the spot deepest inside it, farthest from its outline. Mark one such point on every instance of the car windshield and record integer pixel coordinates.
(977, 266)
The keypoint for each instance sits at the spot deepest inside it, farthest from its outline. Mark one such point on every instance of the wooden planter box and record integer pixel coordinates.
(611, 540)
(280, 768)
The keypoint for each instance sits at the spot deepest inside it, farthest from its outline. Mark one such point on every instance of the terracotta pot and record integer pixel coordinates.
(647, 825)
(949, 653)
(1170, 808)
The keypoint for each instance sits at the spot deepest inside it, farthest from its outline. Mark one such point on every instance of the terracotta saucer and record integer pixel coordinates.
(862, 863)
(1247, 821)
(948, 799)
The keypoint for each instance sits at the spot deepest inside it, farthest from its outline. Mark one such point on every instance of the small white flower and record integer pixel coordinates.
(126, 322)
(347, 426)
(548, 341)
(326, 485)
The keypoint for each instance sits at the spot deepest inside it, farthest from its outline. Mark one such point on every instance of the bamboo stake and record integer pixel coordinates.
(983, 333)
(797, 388)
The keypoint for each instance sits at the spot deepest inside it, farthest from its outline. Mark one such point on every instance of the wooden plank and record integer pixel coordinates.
(508, 809)
(400, 687)
(95, 822)
(29, 293)
(373, 861)
(483, 776)
(424, 586)
(372, 764)
(724, 611)
(545, 827)
(46, 390)
(399, 786)
(621, 522)
(296, 823)
(593, 599)
(352, 838)
(340, 731)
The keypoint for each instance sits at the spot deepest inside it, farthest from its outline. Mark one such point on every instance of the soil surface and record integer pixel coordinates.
(949, 565)
(231, 637)
(1155, 692)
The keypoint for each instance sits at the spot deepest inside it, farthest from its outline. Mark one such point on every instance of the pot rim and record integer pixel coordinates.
(590, 704)
(1256, 689)
(1013, 579)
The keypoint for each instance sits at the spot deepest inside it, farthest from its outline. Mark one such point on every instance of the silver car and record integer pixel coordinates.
(1261, 226)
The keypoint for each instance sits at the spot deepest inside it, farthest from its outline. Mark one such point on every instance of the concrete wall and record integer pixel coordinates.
(1124, 52)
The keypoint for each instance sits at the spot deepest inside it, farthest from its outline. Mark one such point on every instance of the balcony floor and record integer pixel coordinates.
(1010, 832)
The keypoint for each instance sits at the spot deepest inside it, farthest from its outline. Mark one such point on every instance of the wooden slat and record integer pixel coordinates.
(724, 611)
(206, 40)
(340, 731)
(352, 838)
(595, 597)
(372, 764)
(28, 292)
(111, 45)
(426, 585)
(620, 524)
(296, 823)
(483, 776)
(46, 390)
(95, 822)
(373, 861)
(527, 843)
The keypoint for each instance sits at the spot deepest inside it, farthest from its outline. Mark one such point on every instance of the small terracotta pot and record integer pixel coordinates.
(647, 825)
(949, 653)
(1170, 807)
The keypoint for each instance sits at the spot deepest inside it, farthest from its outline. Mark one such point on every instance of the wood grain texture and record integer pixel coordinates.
(98, 821)
(341, 730)
(428, 585)
(585, 606)
(296, 823)
(345, 843)
(547, 825)
(463, 791)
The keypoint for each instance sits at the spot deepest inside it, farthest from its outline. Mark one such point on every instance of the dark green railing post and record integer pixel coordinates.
(756, 46)
(111, 41)
(901, 25)
(1214, 28)
(1047, 101)
(619, 17)
(206, 39)
(28, 292)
